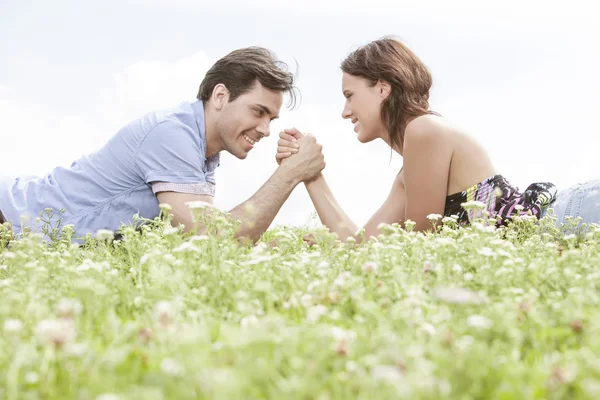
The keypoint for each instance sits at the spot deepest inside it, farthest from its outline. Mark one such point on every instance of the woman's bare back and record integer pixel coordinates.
(470, 163)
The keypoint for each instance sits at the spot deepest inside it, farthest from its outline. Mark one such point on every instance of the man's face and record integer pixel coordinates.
(245, 121)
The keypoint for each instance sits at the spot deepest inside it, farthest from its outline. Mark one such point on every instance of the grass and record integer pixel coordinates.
(463, 313)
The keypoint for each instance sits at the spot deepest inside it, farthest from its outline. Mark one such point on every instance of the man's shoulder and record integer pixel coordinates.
(180, 115)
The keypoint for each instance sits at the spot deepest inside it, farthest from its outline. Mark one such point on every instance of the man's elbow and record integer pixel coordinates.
(246, 237)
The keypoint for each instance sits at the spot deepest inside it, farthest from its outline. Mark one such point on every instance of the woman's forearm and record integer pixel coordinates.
(330, 212)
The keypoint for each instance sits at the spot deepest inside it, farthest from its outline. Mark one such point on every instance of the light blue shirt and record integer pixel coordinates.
(106, 188)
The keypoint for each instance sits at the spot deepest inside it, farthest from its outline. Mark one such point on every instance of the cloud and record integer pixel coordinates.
(52, 138)
(36, 138)
(151, 85)
(522, 84)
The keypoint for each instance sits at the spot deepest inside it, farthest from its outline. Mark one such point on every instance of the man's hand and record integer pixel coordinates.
(308, 162)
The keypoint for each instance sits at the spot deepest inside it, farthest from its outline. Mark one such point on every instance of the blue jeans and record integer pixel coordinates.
(580, 200)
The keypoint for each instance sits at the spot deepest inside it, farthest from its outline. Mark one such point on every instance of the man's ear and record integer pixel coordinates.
(220, 96)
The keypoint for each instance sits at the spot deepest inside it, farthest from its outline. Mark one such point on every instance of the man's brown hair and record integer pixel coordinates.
(239, 70)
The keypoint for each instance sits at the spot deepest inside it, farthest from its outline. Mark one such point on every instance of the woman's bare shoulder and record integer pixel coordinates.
(430, 123)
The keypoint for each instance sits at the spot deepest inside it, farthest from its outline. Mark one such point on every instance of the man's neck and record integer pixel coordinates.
(214, 143)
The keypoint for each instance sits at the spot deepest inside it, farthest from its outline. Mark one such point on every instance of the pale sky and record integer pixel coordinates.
(522, 76)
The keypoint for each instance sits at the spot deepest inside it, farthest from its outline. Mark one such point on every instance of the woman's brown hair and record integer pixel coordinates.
(392, 61)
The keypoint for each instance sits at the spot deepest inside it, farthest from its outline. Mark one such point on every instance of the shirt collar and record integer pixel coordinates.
(198, 107)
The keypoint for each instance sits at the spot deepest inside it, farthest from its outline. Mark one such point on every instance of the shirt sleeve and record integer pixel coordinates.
(172, 153)
(203, 188)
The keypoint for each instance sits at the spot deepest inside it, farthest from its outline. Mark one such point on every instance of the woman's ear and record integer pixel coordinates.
(384, 89)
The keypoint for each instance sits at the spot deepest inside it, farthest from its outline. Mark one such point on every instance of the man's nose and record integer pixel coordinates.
(264, 128)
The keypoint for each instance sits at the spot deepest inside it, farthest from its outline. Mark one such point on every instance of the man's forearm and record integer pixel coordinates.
(257, 213)
(330, 212)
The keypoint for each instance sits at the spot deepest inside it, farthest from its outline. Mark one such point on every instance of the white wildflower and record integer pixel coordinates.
(351, 366)
(108, 396)
(138, 301)
(13, 326)
(164, 313)
(409, 224)
(165, 207)
(341, 279)
(248, 321)
(434, 217)
(473, 205)
(197, 205)
(342, 334)
(306, 300)
(75, 349)
(285, 234)
(464, 342)
(457, 296)
(171, 230)
(105, 234)
(479, 322)
(508, 262)
(67, 308)
(382, 225)
(448, 220)
(369, 267)
(198, 238)
(55, 331)
(389, 373)
(486, 251)
(171, 367)
(591, 387)
(31, 378)
(185, 246)
(428, 266)
(314, 313)
(292, 302)
(457, 268)
(428, 328)
(444, 241)
(571, 237)
(468, 276)
(321, 273)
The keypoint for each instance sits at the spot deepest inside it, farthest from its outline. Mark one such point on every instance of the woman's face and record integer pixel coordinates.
(363, 106)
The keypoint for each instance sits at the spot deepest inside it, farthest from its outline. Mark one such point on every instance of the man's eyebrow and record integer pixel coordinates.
(266, 109)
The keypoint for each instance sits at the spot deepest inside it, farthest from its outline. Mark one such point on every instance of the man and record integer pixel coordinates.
(170, 157)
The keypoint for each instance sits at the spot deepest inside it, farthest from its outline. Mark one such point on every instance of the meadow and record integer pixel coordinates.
(458, 313)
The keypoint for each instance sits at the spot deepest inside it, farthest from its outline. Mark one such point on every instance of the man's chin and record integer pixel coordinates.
(237, 152)
(240, 154)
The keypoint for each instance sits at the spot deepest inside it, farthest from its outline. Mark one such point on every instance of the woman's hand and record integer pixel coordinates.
(287, 144)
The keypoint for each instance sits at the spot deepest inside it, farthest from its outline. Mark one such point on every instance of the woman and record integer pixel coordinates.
(387, 96)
